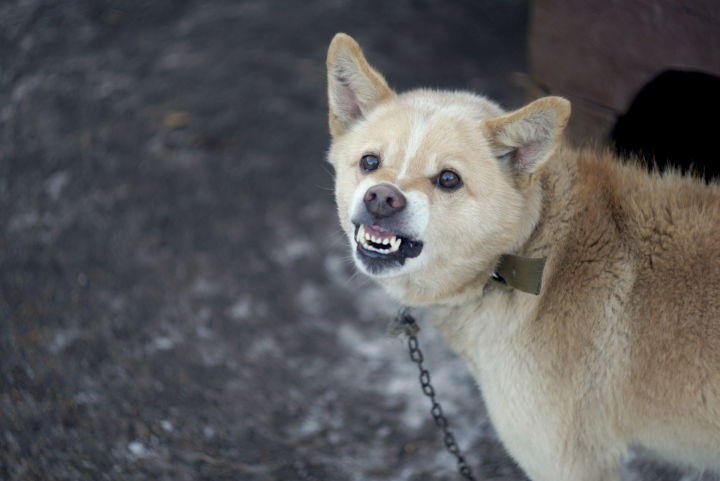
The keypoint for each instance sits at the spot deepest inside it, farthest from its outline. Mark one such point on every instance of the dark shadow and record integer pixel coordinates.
(673, 121)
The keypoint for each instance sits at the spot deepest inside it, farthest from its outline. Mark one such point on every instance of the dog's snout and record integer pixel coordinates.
(384, 200)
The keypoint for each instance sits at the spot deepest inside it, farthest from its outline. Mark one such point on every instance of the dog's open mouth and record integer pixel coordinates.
(378, 244)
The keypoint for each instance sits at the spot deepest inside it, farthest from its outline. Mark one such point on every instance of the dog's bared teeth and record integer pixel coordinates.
(360, 238)
(389, 245)
(395, 243)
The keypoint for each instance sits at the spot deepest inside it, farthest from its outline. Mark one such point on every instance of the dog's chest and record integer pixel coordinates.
(517, 394)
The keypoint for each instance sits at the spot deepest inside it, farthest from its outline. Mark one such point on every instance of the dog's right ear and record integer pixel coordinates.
(354, 87)
(523, 140)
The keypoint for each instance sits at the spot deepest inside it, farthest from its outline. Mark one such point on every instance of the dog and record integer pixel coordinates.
(584, 293)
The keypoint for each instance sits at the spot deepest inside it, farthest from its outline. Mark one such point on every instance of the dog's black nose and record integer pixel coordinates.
(383, 200)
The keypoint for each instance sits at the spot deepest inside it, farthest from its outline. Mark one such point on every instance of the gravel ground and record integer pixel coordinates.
(176, 301)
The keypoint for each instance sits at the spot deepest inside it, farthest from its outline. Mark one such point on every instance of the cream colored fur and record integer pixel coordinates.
(622, 347)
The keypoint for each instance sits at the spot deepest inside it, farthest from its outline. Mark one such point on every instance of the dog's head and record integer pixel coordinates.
(432, 187)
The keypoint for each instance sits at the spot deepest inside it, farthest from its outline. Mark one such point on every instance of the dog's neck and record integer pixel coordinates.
(548, 213)
(484, 312)
(521, 254)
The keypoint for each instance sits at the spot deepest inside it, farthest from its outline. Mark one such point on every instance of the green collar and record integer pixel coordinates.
(521, 273)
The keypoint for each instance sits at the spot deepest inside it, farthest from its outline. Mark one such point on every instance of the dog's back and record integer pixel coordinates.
(674, 381)
(640, 266)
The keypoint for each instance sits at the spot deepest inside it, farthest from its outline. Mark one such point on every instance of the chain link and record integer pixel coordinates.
(416, 355)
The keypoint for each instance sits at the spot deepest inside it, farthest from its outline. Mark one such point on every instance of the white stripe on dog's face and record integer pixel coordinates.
(417, 134)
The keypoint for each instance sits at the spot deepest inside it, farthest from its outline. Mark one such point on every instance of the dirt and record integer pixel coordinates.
(176, 301)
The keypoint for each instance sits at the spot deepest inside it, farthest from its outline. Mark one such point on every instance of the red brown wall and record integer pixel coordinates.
(599, 53)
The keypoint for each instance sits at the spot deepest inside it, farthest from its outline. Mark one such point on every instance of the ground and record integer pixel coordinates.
(176, 301)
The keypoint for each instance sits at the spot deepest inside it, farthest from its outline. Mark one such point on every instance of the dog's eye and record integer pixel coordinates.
(448, 180)
(369, 162)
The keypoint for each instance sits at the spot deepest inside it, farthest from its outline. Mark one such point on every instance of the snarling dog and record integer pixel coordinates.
(583, 293)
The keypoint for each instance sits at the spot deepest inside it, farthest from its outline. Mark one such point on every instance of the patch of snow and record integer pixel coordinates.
(263, 346)
(167, 426)
(337, 268)
(204, 314)
(108, 83)
(56, 183)
(163, 343)
(86, 397)
(204, 332)
(316, 418)
(356, 341)
(117, 303)
(203, 286)
(334, 437)
(241, 309)
(23, 221)
(62, 339)
(169, 340)
(23, 89)
(407, 387)
(310, 299)
(6, 113)
(309, 426)
(138, 449)
(293, 249)
(692, 477)
(213, 354)
(374, 304)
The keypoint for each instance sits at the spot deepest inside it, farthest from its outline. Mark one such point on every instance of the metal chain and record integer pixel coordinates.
(410, 328)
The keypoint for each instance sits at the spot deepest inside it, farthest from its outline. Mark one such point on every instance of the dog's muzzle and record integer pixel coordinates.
(381, 229)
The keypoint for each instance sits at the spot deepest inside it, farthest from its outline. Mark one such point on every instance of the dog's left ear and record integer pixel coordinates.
(354, 87)
(524, 139)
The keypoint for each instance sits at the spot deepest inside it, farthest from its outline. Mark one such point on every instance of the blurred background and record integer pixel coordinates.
(176, 299)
